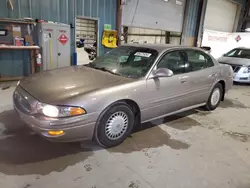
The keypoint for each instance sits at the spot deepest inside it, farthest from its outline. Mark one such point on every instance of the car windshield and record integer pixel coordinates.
(127, 61)
(239, 53)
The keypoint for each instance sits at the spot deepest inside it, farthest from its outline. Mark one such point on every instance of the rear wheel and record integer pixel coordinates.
(115, 125)
(215, 97)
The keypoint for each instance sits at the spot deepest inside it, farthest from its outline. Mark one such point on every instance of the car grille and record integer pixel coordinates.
(21, 103)
(235, 68)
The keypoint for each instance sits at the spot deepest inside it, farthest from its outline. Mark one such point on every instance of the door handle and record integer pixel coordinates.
(213, 75)
(183, 79)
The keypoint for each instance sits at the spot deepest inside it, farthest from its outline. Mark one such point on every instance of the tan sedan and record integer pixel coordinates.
(127, 86)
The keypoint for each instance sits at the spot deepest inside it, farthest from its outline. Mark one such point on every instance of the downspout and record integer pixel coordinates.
(118, 21)
(184, 25)
(201, 22)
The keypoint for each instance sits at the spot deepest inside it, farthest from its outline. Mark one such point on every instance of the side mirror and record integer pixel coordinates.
(162, 72)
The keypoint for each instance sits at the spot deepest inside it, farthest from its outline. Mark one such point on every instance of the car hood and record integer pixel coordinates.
(57, 85)
(234, 61)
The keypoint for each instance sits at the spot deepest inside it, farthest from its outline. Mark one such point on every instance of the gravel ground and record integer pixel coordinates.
(192, 149)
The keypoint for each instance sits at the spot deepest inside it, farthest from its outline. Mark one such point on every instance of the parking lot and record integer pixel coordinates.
(192, 149)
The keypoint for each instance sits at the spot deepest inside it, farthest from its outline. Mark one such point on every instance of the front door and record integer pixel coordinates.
(166, 94)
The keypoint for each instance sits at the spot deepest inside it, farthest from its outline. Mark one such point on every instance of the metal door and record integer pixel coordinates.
(47, 40)
(63, 46)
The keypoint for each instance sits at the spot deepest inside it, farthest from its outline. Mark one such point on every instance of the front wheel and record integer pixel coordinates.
(215, 97)
(114, 126)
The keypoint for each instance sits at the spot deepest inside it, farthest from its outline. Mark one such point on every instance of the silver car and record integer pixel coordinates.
(239, 59)
(129, 85)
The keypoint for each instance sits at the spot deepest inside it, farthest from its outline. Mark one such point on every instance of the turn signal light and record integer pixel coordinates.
(55, 133)
(76, 111)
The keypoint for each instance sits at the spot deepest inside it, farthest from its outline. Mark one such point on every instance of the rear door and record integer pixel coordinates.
(202, 75)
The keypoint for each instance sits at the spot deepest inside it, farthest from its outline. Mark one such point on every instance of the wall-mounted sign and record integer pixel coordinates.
(109, 38)
(238, 38)
(63, 39)
(3, 32)
(107, 27)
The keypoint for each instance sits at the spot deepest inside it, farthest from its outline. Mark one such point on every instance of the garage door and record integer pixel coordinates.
(220, 15)
(166, 15)
(86, 28)
(152, 36)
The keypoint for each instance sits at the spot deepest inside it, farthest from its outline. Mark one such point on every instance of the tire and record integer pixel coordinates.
(212, 105)
(118, 114)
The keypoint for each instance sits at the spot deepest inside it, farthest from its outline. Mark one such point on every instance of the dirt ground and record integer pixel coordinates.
(194, 149)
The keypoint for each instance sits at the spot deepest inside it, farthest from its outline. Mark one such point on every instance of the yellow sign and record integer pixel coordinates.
(109, 38)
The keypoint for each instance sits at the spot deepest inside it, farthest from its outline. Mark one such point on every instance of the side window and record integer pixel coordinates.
(198, 60)
(173, 61)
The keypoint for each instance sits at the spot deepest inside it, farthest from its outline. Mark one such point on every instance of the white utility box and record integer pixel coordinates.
(54, 40)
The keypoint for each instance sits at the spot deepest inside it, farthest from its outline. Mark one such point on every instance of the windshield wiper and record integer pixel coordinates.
(106, 70)
(92, 65)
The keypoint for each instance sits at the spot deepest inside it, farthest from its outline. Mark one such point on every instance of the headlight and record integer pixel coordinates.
(59, 111)
(246, 70)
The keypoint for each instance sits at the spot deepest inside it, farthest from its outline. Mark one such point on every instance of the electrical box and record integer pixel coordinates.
(54, 40)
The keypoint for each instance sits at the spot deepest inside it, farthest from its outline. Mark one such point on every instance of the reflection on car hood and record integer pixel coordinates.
(234, 61)
(59, 84)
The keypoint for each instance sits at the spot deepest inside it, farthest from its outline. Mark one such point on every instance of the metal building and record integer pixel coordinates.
(154, 21)
(63, 11)
(166, 21)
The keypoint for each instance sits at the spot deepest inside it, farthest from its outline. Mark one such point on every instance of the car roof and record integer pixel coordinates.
(161, 47)
(242, 48)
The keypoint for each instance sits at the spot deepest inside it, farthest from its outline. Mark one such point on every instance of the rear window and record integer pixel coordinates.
(239, 53)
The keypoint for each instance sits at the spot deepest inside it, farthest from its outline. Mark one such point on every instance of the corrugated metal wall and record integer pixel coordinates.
(192, 20)
(63, 11)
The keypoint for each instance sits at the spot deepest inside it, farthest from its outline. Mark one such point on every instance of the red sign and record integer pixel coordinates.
(63, 39)
(238, 38)
(217, 38)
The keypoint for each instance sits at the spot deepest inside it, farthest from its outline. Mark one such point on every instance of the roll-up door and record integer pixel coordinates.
(86, 28)
(220, 15)
(165, 15)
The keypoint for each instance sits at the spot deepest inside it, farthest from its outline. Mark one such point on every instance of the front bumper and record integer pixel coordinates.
(75, 128)
(241, 77)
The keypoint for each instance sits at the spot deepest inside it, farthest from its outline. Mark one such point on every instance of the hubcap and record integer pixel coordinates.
(215, 97)
(116, 125)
